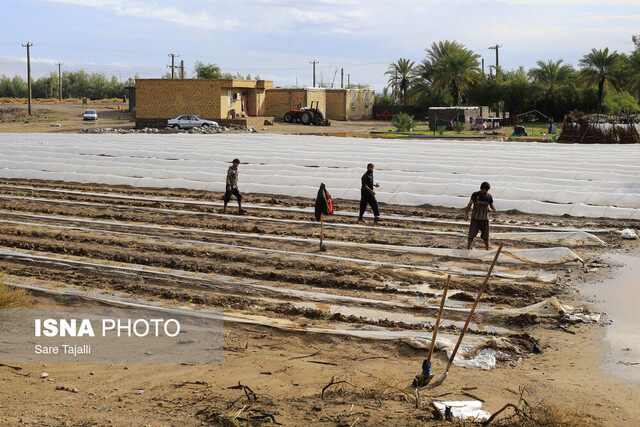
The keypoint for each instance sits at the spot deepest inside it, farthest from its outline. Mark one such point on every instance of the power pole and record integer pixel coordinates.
(182, 68)
(173, 64)
(348, 80)
(497, 49)
(314, 71)
(59, 64)
(341, 78)
(28, 45)
(482, 67)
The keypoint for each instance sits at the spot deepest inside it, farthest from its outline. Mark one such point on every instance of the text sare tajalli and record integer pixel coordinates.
(105, 328)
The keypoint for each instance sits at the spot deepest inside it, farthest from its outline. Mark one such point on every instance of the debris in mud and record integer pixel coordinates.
(551, 307)
(69, 389)
(464, 410)
(628, 234)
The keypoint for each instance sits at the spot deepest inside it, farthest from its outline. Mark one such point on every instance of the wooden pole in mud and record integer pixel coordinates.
(321, 231)
(466, 325)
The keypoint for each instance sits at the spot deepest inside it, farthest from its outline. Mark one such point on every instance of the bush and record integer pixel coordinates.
(458, 127)
(441, 129)
(403, 122)
(11, 297)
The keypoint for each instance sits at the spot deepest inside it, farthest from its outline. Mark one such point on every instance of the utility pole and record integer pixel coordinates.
(482, 67)
(173, 64)
(341, 78)
(314, 71)
(182, 68)
(497, 49)
(348, 80)
(28, 45)
(59, 64)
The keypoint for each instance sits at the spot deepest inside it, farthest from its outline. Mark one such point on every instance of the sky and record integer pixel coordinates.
(277, 39)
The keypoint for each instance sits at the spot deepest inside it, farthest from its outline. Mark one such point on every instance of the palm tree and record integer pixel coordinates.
(598, 67)
(401, 76)
(552, 77)
(449, 65)
(634, 79)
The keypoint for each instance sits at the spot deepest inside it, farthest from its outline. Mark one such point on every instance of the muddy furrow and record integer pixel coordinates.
(155, 248)
(233, 294)
(281, 207)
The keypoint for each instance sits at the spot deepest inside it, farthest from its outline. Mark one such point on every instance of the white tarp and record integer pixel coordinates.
(465, 410)
(580, 180)
(570, 238)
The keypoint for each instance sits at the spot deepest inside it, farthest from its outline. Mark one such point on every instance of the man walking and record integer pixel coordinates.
(368, 195)
(232, 186)
(481, 202)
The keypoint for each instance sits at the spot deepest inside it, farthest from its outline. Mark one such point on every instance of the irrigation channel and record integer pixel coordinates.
(381, 281)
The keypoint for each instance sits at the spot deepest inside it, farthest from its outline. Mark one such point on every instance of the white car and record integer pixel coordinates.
(188, 121)
(90, 115)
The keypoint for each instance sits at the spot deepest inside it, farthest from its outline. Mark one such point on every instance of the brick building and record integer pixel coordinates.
(279, 100)
(350, 104)
(335, 104)
(158, 100)
(243, 102)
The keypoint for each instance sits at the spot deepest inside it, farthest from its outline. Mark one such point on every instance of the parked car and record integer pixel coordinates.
(90, 115)
(187, 121)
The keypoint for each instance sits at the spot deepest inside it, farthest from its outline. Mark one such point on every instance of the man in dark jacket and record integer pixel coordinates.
(481, 202)
(368, 195)
(232, 186)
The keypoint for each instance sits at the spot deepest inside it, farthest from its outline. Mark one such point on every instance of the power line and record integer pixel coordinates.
(28, 45)
(497, 49)
(173, 65)
(314, 71)
(60, 80)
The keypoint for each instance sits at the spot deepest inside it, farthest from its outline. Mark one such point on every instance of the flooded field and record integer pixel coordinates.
(334, 336)
(618, 297)
(378, 284)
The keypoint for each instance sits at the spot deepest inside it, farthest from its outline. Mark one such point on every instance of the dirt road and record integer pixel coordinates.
(67, 118)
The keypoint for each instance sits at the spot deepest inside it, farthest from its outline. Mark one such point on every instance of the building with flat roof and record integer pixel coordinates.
(223, 100)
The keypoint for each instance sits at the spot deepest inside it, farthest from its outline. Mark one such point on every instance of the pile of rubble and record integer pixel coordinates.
(199, 130)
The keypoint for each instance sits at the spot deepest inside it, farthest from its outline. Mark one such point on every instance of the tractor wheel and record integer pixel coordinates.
(288, 117)
(318, 119)
(307, 118)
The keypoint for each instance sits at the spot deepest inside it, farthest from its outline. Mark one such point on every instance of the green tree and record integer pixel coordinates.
(450, 65)
(401, 76)
(553, 83)
(632, 68)
(45, 87)
(515, 90)
(552, 77)
(13, 88)
(207, 71)
(620, 103)
(599, 68)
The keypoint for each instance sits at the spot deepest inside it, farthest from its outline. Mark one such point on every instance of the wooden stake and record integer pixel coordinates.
(322, 248)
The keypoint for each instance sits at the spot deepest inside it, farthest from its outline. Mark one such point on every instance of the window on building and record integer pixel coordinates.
(353, 100)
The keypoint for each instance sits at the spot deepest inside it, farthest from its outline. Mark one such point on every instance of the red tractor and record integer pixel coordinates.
(305, 115)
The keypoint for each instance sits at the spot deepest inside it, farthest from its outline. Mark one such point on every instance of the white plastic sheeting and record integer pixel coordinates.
(580, 180)
(465, 410)
(571, 238)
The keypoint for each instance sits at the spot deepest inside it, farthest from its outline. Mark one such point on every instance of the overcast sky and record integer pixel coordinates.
(278, 38)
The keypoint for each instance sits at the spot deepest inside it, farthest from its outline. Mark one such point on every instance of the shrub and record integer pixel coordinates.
(403, 122)
(12, 297)
(458, 127)
(441, 129)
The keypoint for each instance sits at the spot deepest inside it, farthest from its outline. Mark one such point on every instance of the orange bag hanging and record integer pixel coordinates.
(329, 203)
